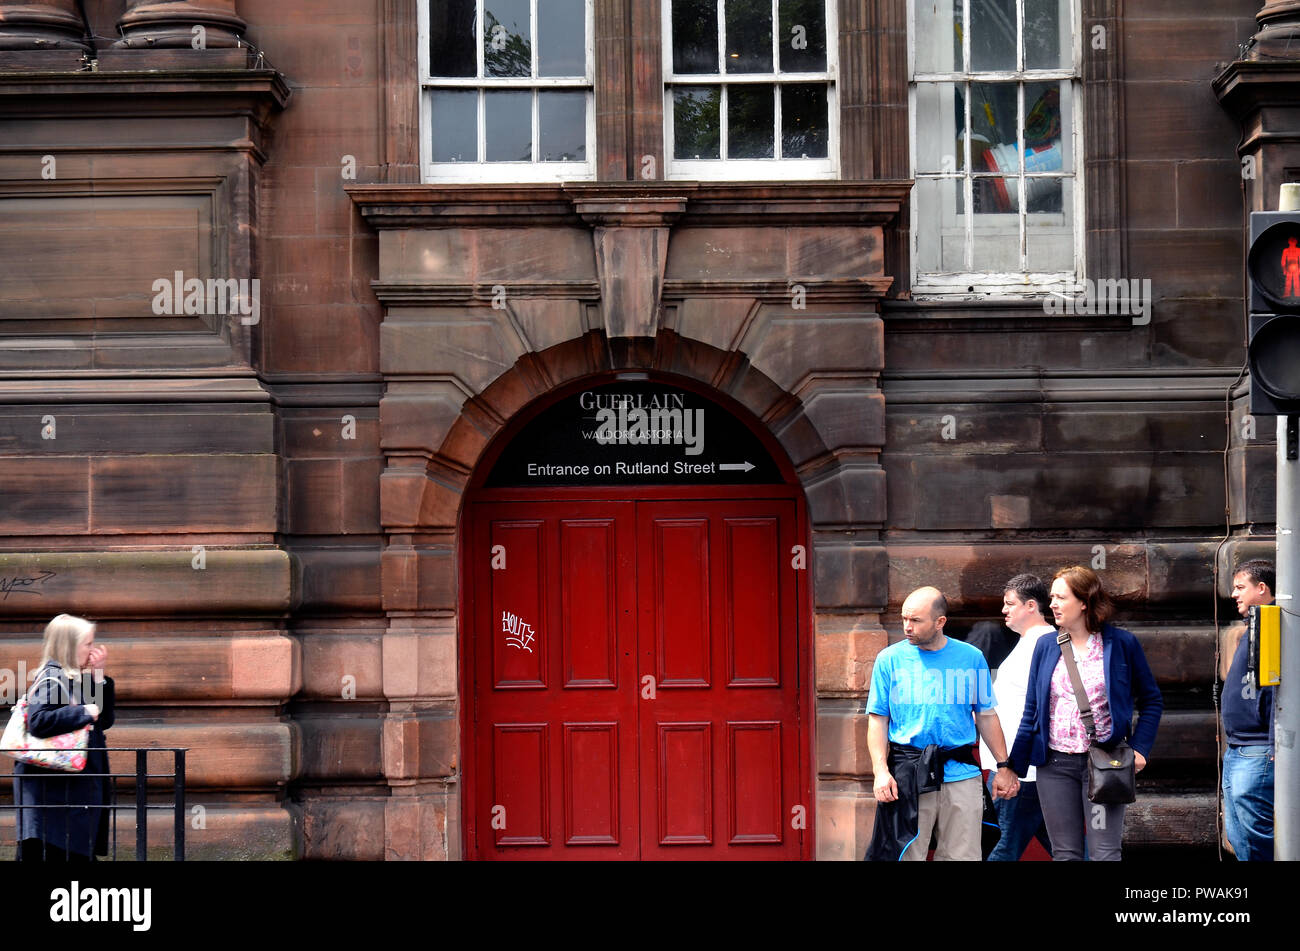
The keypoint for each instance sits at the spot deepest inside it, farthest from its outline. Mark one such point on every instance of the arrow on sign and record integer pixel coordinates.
(735, 466)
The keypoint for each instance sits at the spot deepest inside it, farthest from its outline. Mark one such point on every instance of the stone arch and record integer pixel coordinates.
(824, 437)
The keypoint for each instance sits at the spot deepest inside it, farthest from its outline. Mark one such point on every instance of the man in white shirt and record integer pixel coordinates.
(1025, 608)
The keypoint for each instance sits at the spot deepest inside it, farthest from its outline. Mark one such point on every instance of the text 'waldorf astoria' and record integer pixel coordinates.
(645, 419)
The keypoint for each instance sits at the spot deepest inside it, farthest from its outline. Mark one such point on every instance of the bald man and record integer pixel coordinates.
(929, 697)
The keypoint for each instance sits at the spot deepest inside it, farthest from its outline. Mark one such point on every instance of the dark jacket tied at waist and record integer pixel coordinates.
(915, 771)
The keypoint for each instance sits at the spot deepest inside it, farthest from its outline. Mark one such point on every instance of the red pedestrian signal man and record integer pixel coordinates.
(1291, 268)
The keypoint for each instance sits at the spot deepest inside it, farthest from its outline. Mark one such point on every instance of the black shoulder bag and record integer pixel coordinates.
(1112, 773)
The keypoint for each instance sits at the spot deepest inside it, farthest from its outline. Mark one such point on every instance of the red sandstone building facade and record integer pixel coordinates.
(507, 430)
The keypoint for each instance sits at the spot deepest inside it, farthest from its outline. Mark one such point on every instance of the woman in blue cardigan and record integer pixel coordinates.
(1116, 679)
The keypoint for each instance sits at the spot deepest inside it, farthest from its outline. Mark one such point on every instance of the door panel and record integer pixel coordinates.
(556, 718)
(591, 784)
(752, 601)
(717, 743)
(681, 590)
(520, 781)
(684, 782)
(635, 679)
(589, 602)
(518, 604)
(754, 769)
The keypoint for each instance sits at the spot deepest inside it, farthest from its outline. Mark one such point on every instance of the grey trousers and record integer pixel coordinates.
(1063, 794)
(956, 808)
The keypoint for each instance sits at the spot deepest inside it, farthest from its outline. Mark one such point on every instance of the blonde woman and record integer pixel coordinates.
(61, 815)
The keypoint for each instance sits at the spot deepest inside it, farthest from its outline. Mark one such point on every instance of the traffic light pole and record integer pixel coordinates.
(1286, 779)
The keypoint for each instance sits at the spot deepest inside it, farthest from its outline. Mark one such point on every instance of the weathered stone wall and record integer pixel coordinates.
(1100, 440)
(141, 480)
(319, 456)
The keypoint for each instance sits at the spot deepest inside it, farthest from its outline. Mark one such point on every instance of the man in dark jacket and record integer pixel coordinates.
(1247, 710)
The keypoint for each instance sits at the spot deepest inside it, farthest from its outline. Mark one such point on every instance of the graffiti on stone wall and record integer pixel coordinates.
(29, 584)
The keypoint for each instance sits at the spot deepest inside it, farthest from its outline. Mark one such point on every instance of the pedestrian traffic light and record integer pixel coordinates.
(1273, 352)
(1265, 645)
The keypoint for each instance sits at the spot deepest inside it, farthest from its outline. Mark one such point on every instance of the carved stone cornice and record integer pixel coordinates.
(630, 224)
(394, 294)
(462, 206)
(1247, 85)
(807, 204)
(830, 291)
(1263, 96)
(799, 204)
(257, 94)
(619, 211)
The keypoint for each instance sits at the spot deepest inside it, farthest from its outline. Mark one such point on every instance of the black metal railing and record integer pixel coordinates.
(141, 806)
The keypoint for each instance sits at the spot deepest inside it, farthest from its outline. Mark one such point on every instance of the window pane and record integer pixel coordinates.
(997, 237)
(1049, 237)
(803, 36)
(938, 36)
(1043, 195)
(695, 36)
(1045, 46)
(455, 125)
(996, 195)
(749, 36)
(941, 229)
(1043, 126)
(507, 44)
(993, 34)
(941, 128)
(993, 113)
(696, 123)
(751, 115)
(562, 117)
(561, 38)
(803, 121)
(509, 120)
(451, 38)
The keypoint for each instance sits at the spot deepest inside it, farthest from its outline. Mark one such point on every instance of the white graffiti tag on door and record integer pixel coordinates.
(521, 634)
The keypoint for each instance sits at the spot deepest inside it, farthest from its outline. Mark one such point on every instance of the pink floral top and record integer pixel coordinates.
(1066, 732)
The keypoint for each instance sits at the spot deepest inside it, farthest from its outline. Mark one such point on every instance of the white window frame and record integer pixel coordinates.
(505, 172)
(970, 284)
(723, 168)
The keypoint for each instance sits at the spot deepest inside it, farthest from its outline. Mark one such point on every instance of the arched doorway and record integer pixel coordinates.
(635, 632)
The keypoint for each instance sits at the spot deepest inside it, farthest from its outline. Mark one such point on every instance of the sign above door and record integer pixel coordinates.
(634, 433)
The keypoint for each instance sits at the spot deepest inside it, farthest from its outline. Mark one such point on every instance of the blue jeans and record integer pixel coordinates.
(1248, 802)
(1020, 819)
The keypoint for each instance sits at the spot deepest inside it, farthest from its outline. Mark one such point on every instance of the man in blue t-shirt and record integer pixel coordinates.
(933, 690)
(1247, 709)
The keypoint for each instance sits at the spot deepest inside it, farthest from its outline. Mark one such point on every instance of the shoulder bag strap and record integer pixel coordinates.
(55, 679)
(1080, 695)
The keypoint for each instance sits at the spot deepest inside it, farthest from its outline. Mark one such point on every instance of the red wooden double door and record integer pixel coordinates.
(636, 681)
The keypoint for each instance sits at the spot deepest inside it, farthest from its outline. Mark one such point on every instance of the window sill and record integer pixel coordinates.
(508, 173)
(750, 170)
(1004, 288)
(1002, 314)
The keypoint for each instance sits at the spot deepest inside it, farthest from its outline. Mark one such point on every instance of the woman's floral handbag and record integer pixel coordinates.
(66, 752)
